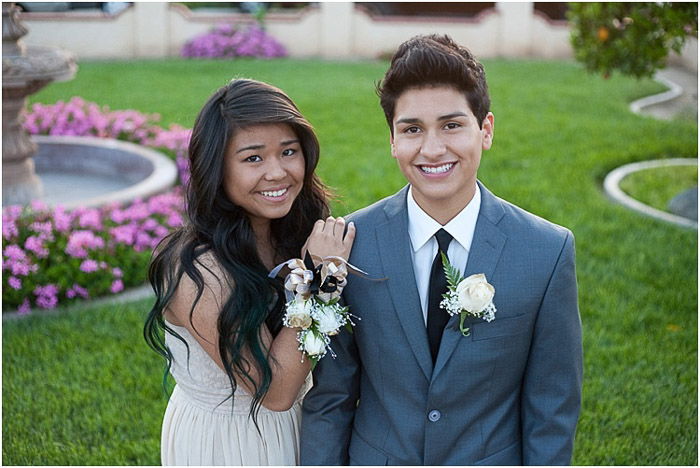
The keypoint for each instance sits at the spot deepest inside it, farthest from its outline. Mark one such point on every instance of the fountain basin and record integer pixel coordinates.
(90, 171)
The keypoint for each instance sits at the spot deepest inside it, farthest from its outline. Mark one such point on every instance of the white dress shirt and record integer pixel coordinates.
(422, 229)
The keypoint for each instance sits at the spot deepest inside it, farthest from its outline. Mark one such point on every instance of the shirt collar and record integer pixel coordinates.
(421, 227)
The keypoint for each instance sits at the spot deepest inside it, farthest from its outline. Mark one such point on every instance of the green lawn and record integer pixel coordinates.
(657, 187)
(82, 388)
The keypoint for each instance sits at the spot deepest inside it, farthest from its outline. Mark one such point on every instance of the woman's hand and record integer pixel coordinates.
(329, 238)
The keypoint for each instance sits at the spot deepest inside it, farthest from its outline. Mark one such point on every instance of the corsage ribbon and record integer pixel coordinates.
(325, 280)
(313, 301)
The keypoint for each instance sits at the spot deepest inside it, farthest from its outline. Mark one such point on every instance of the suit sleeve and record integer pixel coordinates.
(551, 395)
(329, 407)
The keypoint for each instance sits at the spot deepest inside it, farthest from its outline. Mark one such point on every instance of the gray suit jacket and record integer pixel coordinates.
(508, 394)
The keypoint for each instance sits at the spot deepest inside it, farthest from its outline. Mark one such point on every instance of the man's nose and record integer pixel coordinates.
(433, 146)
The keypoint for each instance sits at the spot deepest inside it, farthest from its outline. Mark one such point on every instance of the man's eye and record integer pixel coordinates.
(289, 152)
(411, 130)
(452, 125)
(253, 158)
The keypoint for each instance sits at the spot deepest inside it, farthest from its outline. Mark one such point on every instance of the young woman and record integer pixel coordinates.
(253, 201)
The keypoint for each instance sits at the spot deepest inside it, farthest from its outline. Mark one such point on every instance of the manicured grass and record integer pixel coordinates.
(656, 187)
(82, 388)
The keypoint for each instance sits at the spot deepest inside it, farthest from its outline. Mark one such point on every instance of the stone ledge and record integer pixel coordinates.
(611, 185)
(130, 295)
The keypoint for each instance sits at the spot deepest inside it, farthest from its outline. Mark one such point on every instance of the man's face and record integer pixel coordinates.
(437, 143)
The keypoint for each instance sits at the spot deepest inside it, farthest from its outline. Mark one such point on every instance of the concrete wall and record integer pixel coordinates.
(327, 29)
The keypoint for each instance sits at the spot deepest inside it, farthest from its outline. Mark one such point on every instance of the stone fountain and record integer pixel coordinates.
(25, 70)
(70, 171)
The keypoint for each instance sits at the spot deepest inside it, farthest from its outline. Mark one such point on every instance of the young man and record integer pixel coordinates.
(408, 388)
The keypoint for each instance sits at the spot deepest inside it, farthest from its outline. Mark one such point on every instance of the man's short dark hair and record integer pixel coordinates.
(434, 60)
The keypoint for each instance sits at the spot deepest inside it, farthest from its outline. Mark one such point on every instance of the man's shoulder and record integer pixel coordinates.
(375, 212)
(526, 225)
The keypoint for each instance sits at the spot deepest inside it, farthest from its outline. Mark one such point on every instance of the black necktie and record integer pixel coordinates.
(437, 317)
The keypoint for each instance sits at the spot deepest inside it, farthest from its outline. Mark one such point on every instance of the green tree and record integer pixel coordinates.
(631, 38)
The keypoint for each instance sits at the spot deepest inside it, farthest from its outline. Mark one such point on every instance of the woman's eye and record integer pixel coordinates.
(289, 152)
(253, 158)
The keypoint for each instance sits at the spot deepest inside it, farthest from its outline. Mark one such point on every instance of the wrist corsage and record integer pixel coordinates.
(313, 303)
(471, 296)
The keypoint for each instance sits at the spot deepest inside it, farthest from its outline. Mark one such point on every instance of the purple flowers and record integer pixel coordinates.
(14, 282)
(53, 255)
(46, 296)
(82, 118)
(55, 247)
(227, 41)
(116, 286)
(79, 242)
(88, 266)
(77, 291)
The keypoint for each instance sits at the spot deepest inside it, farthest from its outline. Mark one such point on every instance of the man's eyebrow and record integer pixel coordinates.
(408, 120)
(452, 116)
(412, 120)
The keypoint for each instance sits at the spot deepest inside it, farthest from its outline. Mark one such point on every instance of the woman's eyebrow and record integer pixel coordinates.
(250, 147)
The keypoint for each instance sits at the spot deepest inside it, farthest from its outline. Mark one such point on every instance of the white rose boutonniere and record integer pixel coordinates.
(471, 296)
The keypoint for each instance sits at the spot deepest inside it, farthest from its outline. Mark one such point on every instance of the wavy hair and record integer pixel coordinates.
(216, 224)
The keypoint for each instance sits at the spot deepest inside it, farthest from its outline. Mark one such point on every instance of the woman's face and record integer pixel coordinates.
(264, 171)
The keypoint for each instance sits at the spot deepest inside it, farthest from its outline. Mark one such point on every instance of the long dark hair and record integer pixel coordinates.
(217, 225)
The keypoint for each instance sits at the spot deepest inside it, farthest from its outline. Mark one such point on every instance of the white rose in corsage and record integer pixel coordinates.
(472, 296)
(329, 319)
(298, 314)
(313, 294)
(313, 345)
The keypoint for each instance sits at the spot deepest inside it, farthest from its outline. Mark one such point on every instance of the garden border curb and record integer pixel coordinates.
(611, 185)
(130, 295)
(674, 91)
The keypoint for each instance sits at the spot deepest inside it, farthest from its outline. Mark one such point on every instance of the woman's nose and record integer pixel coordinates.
(275, 169)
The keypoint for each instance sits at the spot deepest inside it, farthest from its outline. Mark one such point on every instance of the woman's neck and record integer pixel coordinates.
(263, 241)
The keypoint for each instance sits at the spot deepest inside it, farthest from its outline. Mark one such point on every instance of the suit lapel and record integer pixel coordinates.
(395, 253)
(485, 251)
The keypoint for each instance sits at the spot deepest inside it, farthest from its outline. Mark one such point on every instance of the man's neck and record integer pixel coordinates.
(443, 211)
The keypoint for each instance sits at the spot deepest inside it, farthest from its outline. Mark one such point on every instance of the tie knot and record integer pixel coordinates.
(444, 238)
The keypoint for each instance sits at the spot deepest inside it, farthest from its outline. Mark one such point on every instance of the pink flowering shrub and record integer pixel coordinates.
(78, 117)
(227, 41)
(52, 256)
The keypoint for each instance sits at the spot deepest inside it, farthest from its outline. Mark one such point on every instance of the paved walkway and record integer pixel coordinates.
(679, 101)
(685, 104)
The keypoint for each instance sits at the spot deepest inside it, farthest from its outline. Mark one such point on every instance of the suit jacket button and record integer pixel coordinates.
(434, 415)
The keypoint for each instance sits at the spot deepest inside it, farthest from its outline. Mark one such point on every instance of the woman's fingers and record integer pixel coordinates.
(330, 237)
(349, 234)
(318, 227)
(339, 228)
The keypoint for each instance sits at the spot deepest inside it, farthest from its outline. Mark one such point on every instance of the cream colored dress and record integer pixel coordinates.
(202, 427)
